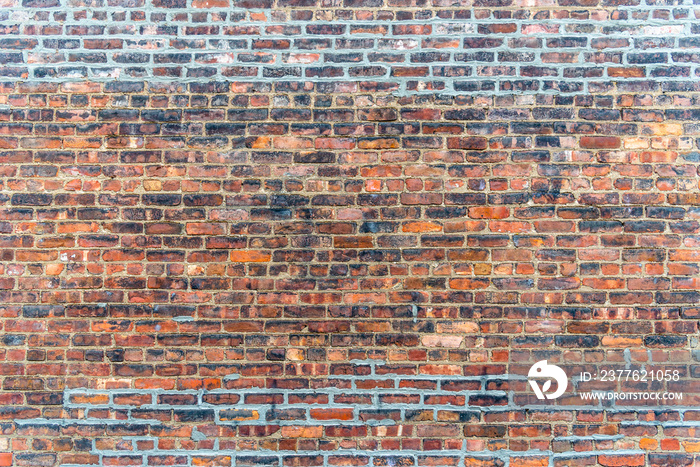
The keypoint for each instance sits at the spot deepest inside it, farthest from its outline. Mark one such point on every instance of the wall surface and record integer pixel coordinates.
(340, 232)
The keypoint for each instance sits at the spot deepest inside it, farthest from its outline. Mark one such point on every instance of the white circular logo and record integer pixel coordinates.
(542, 370)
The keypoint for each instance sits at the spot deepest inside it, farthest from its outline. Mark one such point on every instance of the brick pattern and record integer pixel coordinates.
(403, 46)
(400, 419)
(213, 260)
(282, 257)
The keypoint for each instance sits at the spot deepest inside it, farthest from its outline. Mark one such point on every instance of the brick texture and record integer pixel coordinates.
(339, 233)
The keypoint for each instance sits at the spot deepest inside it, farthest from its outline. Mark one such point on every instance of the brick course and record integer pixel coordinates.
(340, 233)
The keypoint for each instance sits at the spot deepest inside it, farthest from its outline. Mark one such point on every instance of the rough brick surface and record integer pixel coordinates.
(300, 233)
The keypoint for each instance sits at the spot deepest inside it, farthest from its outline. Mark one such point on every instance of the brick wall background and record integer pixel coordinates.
(339, 233)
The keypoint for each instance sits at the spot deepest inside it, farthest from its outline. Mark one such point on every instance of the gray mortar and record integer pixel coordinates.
(503, 455)
(441, 29)
(263, 410)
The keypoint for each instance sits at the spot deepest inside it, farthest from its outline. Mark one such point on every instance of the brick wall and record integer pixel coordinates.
(340, 233)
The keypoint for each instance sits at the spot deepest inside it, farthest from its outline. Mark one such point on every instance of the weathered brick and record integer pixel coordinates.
(284, 231)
